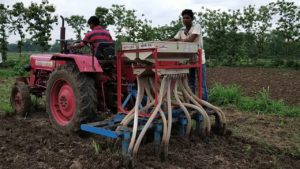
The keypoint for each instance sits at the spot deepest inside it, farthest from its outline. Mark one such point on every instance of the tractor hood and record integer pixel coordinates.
(42, 61)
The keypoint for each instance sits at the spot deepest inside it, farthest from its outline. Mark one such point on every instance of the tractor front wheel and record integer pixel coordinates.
(20, 99)
(71, 98)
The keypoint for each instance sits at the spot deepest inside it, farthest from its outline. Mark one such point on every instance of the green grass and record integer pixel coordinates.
(5, 88)
(13, 67)
(225, 95)
(15, 62)
(4, 72)
(14, 58)
(97, 147)
(296, 141)
(262, 104)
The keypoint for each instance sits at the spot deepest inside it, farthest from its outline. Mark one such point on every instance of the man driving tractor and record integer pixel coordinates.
(97, 35)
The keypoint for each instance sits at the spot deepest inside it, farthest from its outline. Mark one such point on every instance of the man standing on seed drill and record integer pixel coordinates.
(191, 32)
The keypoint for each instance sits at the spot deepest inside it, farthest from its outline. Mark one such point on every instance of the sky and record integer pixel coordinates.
(161, 12)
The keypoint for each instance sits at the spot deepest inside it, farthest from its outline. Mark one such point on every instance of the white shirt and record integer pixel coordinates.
(195, 29)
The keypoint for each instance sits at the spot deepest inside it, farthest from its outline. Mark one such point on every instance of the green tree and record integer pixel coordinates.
(215, 23)
(235, 46)
(4, 20)
(77, 23)
(28, 45)
(126, 23)
(105, 16)
(297, 25)
(249, 23)
(55, 47)
(229, 35)
(18, 22)
(287, 22)
(12, 47)
(40, 20)
(263, 29)
(145, 32)
(248, 19)
(128, 27)
(167, 31)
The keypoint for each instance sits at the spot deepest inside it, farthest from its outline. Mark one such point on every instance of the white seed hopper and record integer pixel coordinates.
(166, 50)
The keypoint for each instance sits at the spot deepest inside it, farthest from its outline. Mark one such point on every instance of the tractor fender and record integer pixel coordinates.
(83, 62)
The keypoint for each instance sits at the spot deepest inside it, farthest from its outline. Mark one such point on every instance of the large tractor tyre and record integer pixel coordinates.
(71, 98)
(20, 99)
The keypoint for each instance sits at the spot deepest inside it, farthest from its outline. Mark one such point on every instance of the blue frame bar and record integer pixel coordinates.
(125, 141)
(100, 131)
(126, 100)
(182, 123)
(157, 137)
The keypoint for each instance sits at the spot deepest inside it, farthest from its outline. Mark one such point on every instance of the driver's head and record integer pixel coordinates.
(93, 21)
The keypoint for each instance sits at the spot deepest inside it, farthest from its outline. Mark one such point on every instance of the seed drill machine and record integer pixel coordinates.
(141, 87)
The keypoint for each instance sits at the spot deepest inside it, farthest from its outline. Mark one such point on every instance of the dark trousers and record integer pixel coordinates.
(192, 81)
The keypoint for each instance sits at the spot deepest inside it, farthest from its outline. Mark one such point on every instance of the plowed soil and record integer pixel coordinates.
(257, 141)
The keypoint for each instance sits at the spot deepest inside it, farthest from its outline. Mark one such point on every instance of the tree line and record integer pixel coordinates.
(268, 31)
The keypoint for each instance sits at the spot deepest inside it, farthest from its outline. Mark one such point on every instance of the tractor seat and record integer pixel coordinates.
(105, 50)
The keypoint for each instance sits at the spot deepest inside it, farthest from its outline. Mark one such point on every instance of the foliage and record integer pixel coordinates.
(18, 23)
(7, 78)
(264, 18)
(105, 16)
(19, 66)
(249, 23)
(167, 31)
(55, 47)
(28, 46)
(128, 27)
(4, 20)
(290, 63)
(296, 152)
(97, 147)
(10, 61)
(233, 37)
(224, 95)
(262, 104)
(6, 72)
(40, 20)
(286, 24)
(78, 23)
(126, 22)
(278, 63)
(215, 23)
(232, 96)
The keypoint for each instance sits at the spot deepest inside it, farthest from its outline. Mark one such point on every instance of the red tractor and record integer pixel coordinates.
(76, 85)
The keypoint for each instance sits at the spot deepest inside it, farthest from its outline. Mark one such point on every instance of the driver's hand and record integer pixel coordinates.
(71, 47)
(75, 46)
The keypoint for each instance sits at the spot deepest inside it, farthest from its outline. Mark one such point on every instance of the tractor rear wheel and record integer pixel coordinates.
(20, 99)
(71, 98)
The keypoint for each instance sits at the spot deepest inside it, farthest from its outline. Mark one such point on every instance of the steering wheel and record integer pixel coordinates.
(74, 50)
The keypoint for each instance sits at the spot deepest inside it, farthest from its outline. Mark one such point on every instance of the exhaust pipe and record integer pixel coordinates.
(62, 35)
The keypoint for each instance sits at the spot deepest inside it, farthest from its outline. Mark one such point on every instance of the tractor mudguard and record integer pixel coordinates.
(83, 62)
